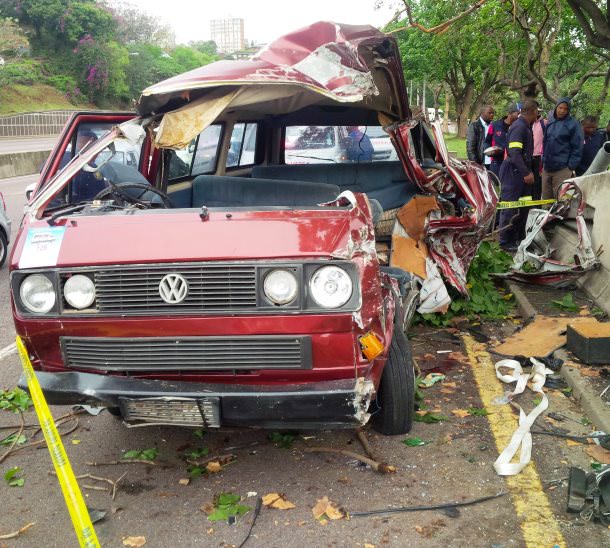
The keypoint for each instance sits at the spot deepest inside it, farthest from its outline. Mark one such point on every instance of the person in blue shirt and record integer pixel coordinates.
(359, 146)
(562, 148)
(593, 141)
(496, 136)
(517, 176)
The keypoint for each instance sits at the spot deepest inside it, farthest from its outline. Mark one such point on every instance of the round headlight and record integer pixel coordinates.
(330, 287)
(37, 293)
(280, 286)
(79, 291)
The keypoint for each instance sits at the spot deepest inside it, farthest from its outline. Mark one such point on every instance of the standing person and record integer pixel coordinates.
(593, 141)
(475, 136)
(517, 176)
(538, 132)
(496, 136)
(562, 148)
(359, 148)
(606, 134)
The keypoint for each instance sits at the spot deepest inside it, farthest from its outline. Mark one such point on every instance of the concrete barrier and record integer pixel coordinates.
(22, 163)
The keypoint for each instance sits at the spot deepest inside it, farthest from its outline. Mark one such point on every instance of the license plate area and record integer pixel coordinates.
(196, 412)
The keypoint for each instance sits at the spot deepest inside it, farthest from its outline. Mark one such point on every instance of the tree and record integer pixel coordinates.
(208, 47)
(12, 39)
(595, 24)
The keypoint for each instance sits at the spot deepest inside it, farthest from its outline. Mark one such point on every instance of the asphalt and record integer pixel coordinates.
(596, 409)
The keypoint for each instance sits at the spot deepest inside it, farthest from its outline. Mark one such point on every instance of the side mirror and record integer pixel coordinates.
(29, 190)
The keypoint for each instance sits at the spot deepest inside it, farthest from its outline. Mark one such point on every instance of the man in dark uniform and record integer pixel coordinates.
(516, 175)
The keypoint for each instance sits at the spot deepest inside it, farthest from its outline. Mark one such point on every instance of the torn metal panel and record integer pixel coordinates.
(535, 260)
(363, 394)
(336, 62)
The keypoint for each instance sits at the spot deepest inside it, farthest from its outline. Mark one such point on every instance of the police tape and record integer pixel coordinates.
(69, 487)
(523, 203)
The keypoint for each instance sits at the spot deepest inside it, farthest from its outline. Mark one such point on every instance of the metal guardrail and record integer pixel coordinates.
(32, 124)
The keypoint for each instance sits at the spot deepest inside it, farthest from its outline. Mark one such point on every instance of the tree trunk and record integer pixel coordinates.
(446, 113)
(604, 93)
(463, 105)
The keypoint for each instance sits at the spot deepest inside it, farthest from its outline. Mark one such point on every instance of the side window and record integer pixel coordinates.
(243, 145)
(198, 157)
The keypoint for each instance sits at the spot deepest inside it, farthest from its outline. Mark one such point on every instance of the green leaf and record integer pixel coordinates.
(225, 499)
(141, 454)
(13, 477)
(282, 440)
(133, 454)
(478, 411)
(10, 439)
(567, 303)
(199, 433)
(15, 400)
(413, 442)
(197, 453)
(597, 466)
(150, 454)
(226, 505)
(195, 471)
(429, 418)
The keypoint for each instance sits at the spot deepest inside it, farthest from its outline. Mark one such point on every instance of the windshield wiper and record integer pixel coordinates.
(313, 158)
(66, 211)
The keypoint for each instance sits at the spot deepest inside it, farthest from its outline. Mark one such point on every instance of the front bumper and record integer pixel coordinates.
(329, 404)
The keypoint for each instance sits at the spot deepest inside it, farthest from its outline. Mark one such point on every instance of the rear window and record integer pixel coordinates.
(337, 144)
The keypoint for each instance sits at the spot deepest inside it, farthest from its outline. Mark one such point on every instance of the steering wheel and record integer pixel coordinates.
(135, 194)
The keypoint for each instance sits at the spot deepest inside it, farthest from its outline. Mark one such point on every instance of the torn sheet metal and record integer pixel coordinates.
(433, 296)
(534, 261)
(336, 62)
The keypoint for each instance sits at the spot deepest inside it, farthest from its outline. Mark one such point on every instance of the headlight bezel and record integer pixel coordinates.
(18, 293)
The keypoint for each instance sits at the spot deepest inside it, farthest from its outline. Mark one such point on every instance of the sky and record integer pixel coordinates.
(263, 20)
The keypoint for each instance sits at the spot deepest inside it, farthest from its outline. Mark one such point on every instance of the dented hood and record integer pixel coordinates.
(325, 63)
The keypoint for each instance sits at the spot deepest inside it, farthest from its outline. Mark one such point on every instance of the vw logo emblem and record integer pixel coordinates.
(173, 288)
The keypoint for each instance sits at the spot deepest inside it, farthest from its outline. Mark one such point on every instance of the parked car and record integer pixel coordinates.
(5, 230)
(240, 290)
(383, 149)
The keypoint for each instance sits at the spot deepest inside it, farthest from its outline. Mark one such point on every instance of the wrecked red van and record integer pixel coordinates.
(211, 283)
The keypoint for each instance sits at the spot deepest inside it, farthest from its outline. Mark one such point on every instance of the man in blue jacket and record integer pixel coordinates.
(562, 148)
(593, 141)
(517, 176)
(496, 136)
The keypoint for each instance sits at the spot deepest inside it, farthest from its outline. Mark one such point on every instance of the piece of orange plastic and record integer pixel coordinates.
(371, 345)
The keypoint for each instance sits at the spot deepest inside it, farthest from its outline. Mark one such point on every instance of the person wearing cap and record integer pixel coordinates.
(496, 137)
(517, 176)
(562, 148)
(475, 136)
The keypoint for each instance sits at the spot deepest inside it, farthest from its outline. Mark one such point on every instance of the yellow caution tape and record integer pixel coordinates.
(72, 495)
(523, 203)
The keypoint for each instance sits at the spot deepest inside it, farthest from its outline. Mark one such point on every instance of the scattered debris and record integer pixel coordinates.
(283, 440)
(428, 417)
(600, 454)
(14, 477)
(589, 494)
(113, 484)
(20, 531)
(566, 303)
(277, 501)
(134, 542)
(539, 338)
(413, 442)
(381, 467)
(325, 510)
(141, 454)
(366, 445)
(589, 341)
(184, 481)
(210, 465)
(441, 506)
(431, 379)
(460, 413)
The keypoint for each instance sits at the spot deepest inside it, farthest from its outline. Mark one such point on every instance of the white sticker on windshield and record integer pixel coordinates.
(42, 247)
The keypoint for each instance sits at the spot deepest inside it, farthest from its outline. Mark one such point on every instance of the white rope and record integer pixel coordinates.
(522, 438)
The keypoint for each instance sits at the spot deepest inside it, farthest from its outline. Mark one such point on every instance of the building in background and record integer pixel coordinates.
(228, 34)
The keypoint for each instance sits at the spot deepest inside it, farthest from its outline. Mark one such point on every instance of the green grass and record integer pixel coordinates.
(456, 145)
(34, 98)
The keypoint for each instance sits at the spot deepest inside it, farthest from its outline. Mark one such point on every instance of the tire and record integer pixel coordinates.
(396, 393)
(3, 247)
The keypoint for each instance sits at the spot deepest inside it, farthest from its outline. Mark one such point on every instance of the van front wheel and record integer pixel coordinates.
(396, 393)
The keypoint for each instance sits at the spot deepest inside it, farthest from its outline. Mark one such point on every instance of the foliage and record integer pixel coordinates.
(141, 454)
(413, 442)
(227, 505)
(477, 411)
(283, 440)
(429, 418)
(14, 477)
(15, 400)
(23, 71)
(485, 300)
(12, 38)
(566, 303)
(13, 438)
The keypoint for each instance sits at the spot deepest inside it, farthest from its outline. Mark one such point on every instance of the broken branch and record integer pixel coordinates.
(122, 461)
(380, 467)
(17, 533)
(365, 443)
(10, 449)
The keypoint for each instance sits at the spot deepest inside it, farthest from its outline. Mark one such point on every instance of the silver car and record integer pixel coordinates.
(5, 230)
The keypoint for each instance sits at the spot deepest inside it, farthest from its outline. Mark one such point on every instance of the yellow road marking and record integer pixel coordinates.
(538, 524)
(72, 495)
